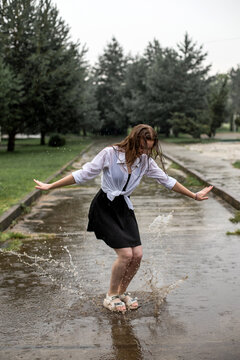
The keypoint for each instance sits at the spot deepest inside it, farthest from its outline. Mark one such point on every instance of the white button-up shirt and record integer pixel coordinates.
(115, 173)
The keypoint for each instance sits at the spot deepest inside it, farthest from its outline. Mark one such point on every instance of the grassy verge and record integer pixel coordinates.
(237, 232)
(190, 180)
(186, 139)
(236, 218)
(12, 240)
(31, 160)
(236, 164)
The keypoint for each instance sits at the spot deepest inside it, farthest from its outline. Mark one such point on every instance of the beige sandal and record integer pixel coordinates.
(112, 306)
(129, 302)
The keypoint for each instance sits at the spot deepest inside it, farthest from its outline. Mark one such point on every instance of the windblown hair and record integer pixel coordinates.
(132, 143)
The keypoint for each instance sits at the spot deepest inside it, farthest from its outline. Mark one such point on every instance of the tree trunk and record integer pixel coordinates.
(11, 141)
(84, 131)
(43, 138)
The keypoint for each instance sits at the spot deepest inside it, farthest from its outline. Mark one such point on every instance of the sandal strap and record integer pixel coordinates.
(113, 297)
(118, 304)
(131, 300)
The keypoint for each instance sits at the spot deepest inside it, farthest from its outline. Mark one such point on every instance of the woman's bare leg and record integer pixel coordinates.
(118, 270)
(131, 269)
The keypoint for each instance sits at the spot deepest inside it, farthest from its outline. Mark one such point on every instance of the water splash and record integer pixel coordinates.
(160, 222)
(51, 268)
(158, 294)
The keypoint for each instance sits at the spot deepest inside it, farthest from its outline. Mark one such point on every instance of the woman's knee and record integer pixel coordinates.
(125, 255)
(137, 254)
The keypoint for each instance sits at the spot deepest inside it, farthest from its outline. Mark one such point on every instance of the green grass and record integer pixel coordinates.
(236, 164)
(12, 240)
(31, 160)
(175, 166)
(185, 139)
(237, 232)
(192, 181)
(13, 245)
(9, 235)
(236, 218)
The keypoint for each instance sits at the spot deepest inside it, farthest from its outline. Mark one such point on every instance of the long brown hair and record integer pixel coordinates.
(131, 144)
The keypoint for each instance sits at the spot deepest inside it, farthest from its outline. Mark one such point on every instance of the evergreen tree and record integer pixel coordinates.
(217, 100)
(35, 44)
(89, 119)
(177, 83)
(16, 34)
(11, 97)
(58, 74)
(234, 95)
(110, 77)
(163, 89)
(135, 99)
(193, 77)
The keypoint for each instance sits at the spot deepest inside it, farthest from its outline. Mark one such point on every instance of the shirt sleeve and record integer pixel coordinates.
(91, 169)
(154, 171)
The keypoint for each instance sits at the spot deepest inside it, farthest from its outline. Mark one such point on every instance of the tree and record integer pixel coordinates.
(234, 95)
(11, 97)
(35, 43)
(16, 34)
(177, 83)
(217, 100)
(89, 120)
(193, 77)
(110, 78)
(163, 89)
(181, 123)
(58, 73)
(135, 99)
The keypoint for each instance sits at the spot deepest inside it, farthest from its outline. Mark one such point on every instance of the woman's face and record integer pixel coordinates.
(145, 148)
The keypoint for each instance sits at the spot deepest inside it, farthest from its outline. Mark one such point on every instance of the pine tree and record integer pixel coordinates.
(217, 100)
(11, 97)
(110, 73)
(16, 34)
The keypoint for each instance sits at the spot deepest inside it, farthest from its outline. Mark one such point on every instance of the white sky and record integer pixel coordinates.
(215, 24)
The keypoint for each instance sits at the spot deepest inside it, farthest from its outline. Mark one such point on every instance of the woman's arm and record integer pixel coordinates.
(67, 180)
(89, 171)
(200, 195)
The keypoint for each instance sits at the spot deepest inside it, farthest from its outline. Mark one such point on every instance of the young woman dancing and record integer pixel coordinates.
(111, 214)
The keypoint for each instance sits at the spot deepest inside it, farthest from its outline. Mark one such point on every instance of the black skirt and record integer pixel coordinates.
(113, 221)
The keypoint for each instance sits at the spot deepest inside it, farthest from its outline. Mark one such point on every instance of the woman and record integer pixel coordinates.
(111, 214)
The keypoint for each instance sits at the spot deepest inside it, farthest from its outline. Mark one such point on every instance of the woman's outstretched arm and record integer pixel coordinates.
(67, 180)
(200, 195)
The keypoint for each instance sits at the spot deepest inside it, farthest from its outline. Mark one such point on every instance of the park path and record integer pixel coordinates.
(52, 291)
(212, 161)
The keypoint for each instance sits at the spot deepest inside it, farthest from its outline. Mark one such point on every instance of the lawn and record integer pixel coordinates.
(31, 160)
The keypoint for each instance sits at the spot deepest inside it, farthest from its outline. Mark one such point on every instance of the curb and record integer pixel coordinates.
(15, 211)
(216, 190)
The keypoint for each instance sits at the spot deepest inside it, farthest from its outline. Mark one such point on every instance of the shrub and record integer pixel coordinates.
(56, 140)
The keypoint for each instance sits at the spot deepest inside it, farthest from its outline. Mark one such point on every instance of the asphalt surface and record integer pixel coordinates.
(188, 284)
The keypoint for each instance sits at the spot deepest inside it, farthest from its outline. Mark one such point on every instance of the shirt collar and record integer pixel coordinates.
(121, 159)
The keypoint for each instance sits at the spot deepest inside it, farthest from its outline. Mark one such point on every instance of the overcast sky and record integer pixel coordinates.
(215, 24)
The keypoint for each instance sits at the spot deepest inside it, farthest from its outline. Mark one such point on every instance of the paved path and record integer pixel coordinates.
(212, 161)
(52, 291)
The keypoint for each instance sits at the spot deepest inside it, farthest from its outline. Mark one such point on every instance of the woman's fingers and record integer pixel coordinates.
(202, 194)
(41, 185)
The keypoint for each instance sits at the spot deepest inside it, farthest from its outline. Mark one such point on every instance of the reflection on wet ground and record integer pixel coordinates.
(52, 292)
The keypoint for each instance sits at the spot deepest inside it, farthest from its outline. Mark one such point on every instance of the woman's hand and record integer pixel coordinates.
(201, 195)
(41, 185)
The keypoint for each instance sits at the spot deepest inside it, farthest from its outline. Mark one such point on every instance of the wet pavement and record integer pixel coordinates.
(52, 292)
(213, 161)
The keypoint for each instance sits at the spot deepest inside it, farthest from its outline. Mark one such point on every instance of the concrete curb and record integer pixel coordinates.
(216, 190)
(15, 211)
